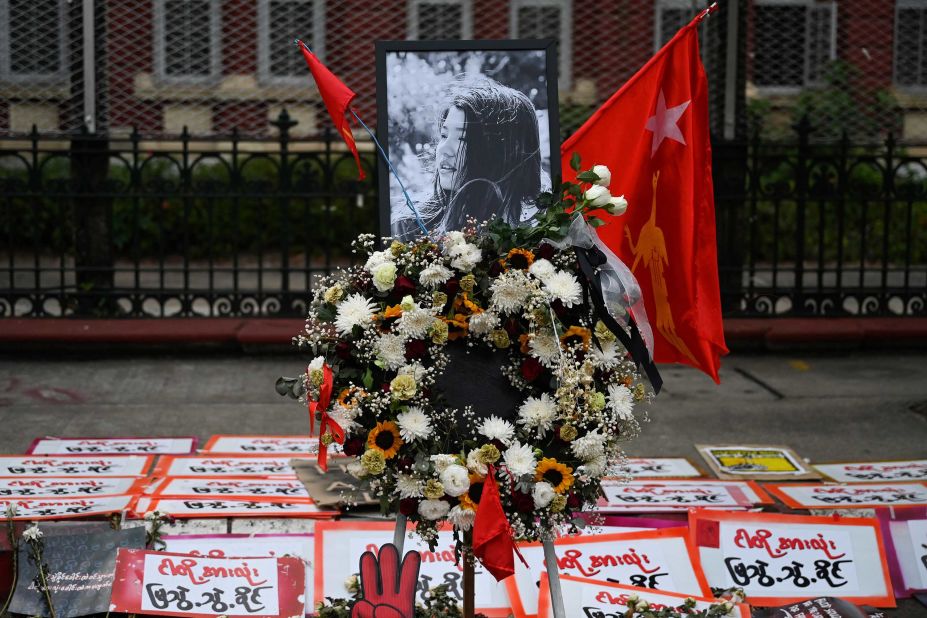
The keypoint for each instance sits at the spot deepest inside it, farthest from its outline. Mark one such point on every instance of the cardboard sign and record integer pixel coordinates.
(339, 545)
(661, 468)
(186, 508)
(65, 508)
(80, 572)
(225, 465)
(67, 487)
(112, 446)
(231, 488)
(149, 582)
(905, 534)
(248, 546)
(593, 598)
(675, 495)
(280, 445)
(759, 462)
(658, 559)
(15, 466)
(849, 495)
(876, 471)
(781, 559)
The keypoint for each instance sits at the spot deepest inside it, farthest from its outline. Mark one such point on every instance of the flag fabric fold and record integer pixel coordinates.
(493, 544)
(653, 135)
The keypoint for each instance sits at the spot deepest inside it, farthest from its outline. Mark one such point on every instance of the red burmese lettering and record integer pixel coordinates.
(758, 540)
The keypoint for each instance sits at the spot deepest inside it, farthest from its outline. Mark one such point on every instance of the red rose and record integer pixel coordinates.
(523, 502)
(415, 348)
(545, 251)
(451, 286)
(495, 269)
(403, 286)
(408, 506)
(343, 350)
(531, 369)
(512, 328)
(354, 446)
(574, 500)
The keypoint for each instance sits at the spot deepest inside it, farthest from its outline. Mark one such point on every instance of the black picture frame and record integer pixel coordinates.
(550, 150)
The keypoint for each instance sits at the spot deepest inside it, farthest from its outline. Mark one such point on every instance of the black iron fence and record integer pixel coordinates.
(130, 227)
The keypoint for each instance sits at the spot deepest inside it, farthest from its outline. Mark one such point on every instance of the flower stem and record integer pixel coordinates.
(14, 547)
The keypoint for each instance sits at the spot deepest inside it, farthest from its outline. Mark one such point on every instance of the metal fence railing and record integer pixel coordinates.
(230, 227)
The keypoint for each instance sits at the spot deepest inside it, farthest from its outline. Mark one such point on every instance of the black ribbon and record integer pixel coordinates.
(589, 261)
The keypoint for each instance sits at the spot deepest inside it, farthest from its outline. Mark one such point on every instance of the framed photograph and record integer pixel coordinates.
(762, 462)
(471, 128)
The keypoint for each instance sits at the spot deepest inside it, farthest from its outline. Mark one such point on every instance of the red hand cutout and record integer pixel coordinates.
(388, 587)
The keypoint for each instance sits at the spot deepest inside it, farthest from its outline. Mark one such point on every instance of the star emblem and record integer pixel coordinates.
(663, 123)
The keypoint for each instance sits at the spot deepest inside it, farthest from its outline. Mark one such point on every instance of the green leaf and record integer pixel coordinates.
(574, 161)
(595, 221)
(368, 379)
(587, 176)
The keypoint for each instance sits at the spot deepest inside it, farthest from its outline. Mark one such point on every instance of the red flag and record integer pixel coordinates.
(337, 97)
(492, 538)
(653, 136)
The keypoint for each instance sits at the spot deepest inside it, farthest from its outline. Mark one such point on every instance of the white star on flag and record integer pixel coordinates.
(663, 123)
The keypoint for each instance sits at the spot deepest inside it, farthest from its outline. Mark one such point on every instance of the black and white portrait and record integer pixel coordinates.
(470, 128)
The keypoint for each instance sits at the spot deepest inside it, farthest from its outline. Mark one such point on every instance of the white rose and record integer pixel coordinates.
(543, 494)
(542, 269)
(604, 174)
(597, 196)
(433, 509)
(384, 276)
(376, 258)
(453, 239)
(456, 480)
(617, 205)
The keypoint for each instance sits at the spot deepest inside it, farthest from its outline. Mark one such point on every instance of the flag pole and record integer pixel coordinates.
(553, 579)
(399, 534)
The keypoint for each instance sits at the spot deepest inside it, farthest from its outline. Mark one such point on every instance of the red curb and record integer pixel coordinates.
(258, 332)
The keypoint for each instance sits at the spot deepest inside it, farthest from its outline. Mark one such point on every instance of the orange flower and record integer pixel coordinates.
(457, 326)
(465, 306)
(555, 473)
(523, 340)
(392, 312)
(522, 259)
(471, 499)
(576, 334)
(385, 438)
(349, 397)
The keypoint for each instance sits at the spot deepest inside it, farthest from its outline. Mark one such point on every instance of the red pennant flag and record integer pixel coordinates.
(492, 537)
(337, 97)
(653, 136)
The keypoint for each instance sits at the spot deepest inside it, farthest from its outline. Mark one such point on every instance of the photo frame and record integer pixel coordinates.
(485, 97)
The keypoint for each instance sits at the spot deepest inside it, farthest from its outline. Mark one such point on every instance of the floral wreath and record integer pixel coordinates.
(380, 334)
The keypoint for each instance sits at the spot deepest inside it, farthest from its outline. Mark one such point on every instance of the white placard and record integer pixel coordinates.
(876, 471)
(745, 491)
(649, 496)
(66, 487)
(249, 546)
(232, 488)
(917, 536)
(229, 507)
(851, 495)
(262, 444)
(661, 467)
(64, 508)
(656, 559)
(74, 465)
(112, 446)
(227, 465)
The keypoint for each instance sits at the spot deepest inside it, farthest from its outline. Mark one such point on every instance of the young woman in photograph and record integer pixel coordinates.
(487, 159)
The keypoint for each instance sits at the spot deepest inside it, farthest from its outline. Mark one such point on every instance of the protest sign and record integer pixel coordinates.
(63, 508)
(244, 445)
(74, 465)
(654, 496)
(849, 495)
(659, 559)
(337, 487)
(594, 598)
(661, 468)
(905, 533)
(248, 546)
(80, 572)
(781, 559)
(821, 607)
(339, 545)
(758, 462)
(149, 582)
(197, 507)
(67, 487)
(876, 471)
(225, 465)
(112, 446)
(245, 487)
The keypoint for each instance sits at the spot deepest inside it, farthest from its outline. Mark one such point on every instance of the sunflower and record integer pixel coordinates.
(576, 335)
(520, 259)
(555, 473)
(385, 438)
(471, 499)
(351, 396)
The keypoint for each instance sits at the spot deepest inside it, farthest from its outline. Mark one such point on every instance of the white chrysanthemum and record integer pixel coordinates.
(415, 323)
(414, 424)
(607, 356)
(483, 323)
(391, 351)
(407, 486)
(434, 275)
(520, 459)
(461, 518)
(594, 467)
(32, 533)
(416, 370)
(621, 401)
(475, 464)
(376, 258)
(589, 446)
(433, 509)
(511, 290)
(538, 413)
(542, 269)
(465, 257)
(355, 310)
(499, 429)
(564, 286)
(356, 469)
(456, 480)
(316, 364)
(454, 239)
(546, 348)
(344, 417)
(441, 462)
(543, 494)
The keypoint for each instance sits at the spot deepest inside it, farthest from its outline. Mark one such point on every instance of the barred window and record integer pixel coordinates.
(187, 46)
(671, 16)
(279, 23)
(431, 20)
(911, 43)
(33, 39)
(800, 58)
(546, 19)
